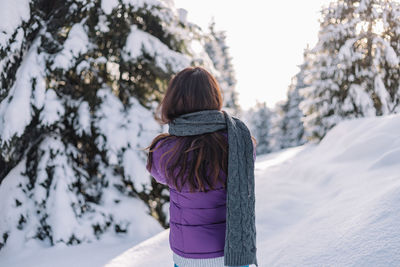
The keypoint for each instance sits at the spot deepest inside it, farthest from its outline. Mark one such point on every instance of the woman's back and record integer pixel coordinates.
(197, 219)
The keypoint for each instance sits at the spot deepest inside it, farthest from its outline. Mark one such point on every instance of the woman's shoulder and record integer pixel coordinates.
(164, 143)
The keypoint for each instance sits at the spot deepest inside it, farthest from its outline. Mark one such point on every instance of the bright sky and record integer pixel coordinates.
(266, 40)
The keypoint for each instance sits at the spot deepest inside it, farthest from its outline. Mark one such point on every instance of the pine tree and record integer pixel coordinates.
(259, 119)
(276, 136)
(79, 80)
(218, 51)
(291, 124)
(354, 69)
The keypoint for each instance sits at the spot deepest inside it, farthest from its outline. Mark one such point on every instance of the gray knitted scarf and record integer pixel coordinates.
(240, 235)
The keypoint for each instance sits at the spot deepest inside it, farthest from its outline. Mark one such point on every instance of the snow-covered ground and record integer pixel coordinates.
(332, 204)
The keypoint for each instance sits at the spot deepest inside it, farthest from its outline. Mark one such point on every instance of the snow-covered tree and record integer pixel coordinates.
(291, 129)
(259, 121)
(354, 70)
(218, 51)
(276, 117)
(78, 81)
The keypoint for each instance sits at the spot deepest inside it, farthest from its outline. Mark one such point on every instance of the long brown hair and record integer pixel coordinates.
(197, 159)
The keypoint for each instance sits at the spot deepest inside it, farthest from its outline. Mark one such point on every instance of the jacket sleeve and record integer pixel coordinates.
(157, 167)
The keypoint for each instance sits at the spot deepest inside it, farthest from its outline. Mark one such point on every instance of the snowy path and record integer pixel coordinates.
(332, 204)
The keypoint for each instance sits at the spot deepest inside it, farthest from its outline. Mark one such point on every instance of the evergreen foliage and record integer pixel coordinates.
(354, 68)
(79, 82)
(290, 130)
(259, 120)
(218, 51)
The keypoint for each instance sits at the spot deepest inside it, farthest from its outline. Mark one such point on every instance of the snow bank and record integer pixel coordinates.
(85, 255)
(336, 204)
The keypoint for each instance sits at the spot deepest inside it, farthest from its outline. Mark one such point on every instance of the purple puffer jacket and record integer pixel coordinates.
(197, 219)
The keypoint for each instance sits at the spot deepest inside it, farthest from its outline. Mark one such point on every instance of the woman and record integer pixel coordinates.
(207, 160)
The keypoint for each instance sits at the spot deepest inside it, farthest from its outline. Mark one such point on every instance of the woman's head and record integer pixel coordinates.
(192, 89)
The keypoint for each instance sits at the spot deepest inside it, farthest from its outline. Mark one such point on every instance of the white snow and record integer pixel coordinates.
(102, 25)
(183, 13)
(12, 14)
(108, 5)
(15, 109)
(59, 206)
(134, 168)
(53, 108)
(152, 252)
(77, 43)
(332, 204)
(126, 133)
(86, 255)
(391, 57)
(10, 211)
(346, 51)
(382, 93)
(139, 42)
(84, 118)
(111, 126)
(361, 99)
